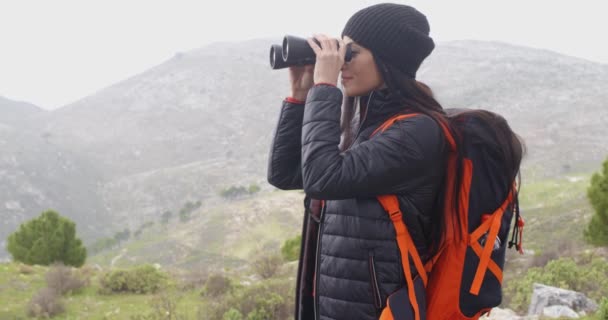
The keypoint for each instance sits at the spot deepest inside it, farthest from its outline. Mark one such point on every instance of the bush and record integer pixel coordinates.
(602, 312)
(271, 307)
(589, 278)
(186, 211)
(47, 239)
(63, 279)
(102, 244)
(253, 188)
(232, 314)
(144, 279)
(563, 248)
(122, 235)
(192, 279)
(165, 217)
(269, 299)
(597, 230)
(266, 265)
(290, 251)
(164, 307)
(25, 269)
(45, 304)
(217, 285)
(234, 192)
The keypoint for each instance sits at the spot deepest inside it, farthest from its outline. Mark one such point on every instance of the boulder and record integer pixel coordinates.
(506, 314)
(560, 312)
(546, 296)
(502, 314)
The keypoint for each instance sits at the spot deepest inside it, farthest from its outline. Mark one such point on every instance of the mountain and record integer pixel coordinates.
(202, 121)
(557, 104)
(37, 174)
(14, 112)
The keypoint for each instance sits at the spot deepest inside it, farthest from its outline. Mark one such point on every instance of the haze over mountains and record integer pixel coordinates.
(203, 120)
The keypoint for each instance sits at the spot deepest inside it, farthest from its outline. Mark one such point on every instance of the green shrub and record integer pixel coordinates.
(143, 279)
(253, 188)
(269, 299)
(217, 285)
(291, 249)
(46, 239)
(589, 277)
(266, 265)
(270, 307)
(234, 192)
(602, 312)
(597, 230)
(164, 307)
(232, 314)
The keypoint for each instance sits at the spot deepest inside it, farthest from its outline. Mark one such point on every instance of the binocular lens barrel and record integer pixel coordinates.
(296, 51)
(276, 57)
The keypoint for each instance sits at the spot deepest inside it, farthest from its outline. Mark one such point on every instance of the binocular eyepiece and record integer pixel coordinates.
(296, 51)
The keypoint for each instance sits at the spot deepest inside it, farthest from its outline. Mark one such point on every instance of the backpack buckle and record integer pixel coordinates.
(396, 215)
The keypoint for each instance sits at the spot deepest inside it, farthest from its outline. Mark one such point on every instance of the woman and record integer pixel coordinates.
(325, 144)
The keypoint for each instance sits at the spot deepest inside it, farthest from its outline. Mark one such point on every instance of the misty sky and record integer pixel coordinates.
(55, 52)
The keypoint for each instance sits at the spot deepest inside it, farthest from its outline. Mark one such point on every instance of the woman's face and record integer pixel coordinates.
(360, 75)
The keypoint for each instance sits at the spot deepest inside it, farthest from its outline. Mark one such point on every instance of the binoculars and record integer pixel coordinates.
(296, 51)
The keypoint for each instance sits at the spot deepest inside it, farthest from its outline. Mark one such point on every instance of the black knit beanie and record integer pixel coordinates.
(397, 34)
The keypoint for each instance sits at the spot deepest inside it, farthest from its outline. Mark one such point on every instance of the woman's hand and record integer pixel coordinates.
(330, 58)
(301, 79)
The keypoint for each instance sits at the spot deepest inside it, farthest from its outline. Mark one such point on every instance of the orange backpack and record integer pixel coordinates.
(463, 280)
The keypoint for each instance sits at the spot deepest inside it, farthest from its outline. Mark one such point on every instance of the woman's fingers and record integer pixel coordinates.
(314, 46)
(327, 43)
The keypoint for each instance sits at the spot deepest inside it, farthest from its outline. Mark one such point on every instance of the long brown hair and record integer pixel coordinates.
(417, 97)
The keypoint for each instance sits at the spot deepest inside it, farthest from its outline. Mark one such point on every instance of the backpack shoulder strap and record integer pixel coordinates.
(406, 247)
(392, 120)
(446, 131)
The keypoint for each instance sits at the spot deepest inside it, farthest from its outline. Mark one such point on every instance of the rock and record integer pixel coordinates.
(545, 296)
(502, 314)
(506, 314)
(559, 312)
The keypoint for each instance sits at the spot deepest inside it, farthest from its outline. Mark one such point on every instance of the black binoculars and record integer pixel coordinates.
(296, 51)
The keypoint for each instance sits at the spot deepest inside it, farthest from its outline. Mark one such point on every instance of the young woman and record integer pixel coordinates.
(325, 144)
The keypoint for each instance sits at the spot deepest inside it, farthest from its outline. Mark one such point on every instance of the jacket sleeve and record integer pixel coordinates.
(285, 160)
(392, 162)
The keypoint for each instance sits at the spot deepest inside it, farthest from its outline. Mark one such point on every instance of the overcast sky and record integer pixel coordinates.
(55, 52)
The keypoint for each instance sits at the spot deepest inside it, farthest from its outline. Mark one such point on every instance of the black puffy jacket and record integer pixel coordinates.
(352, 249)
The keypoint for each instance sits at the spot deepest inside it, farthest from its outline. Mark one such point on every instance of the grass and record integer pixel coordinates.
(222, 236)
(556, 211)
(16, 289)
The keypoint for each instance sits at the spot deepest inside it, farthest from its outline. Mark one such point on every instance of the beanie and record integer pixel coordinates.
(397, 34)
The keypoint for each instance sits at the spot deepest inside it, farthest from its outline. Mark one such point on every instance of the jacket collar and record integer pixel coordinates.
(380, 107)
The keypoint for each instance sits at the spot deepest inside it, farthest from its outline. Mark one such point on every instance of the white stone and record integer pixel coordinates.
(546, 296)
(560, 312)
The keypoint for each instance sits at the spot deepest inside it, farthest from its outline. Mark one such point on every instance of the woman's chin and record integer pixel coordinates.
(348, 91)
